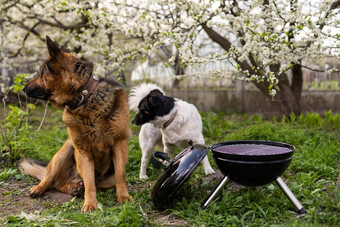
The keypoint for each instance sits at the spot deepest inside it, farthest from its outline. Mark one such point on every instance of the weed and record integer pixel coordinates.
(332, 121)
(5, 173)
(16, 132)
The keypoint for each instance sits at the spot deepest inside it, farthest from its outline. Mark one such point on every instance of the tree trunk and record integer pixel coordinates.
(297, 82)
(179, 70)
(177, 67)
(284, 99)
(288, 97)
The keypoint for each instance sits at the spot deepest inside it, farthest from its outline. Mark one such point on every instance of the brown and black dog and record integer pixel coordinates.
(96, 114)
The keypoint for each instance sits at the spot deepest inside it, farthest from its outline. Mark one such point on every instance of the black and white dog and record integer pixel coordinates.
(164, 119)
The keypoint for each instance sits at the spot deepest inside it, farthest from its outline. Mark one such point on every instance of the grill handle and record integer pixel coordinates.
(156, 162)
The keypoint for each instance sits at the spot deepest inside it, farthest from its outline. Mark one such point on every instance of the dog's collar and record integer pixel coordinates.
(85, 93)
(172, 117)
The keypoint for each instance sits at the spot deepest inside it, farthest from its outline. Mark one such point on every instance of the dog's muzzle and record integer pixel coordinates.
(37, 93)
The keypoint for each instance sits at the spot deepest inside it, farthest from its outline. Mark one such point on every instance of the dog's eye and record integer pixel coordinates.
(146, 112)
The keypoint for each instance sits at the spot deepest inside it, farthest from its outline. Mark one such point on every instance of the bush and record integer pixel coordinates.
(16, 131)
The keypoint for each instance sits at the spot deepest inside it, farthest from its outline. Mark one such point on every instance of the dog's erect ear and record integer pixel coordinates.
(64, 49)
(53, 48)
(154, 100)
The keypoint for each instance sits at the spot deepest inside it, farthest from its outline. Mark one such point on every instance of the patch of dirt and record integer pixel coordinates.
(170, 220)
(217, 176)
(14, 198)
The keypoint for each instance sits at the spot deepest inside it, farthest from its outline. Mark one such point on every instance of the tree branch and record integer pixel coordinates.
(226, 45)
(29, 31)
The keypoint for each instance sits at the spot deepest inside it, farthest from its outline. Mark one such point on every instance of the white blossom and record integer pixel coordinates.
(138, 29)
(272, 92)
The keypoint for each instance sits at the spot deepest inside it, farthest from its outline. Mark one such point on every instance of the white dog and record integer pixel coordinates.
(172, 121)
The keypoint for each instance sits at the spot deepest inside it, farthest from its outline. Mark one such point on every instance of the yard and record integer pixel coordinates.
(280, 48)
(313, 176)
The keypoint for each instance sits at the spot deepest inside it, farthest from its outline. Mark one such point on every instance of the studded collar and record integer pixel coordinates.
(84, 94)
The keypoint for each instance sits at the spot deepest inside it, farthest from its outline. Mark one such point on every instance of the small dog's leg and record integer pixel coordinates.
(120, 157)
(169, 149)
(149, 137)
(207, 167)
(205, 163)
(146, 154)
(85, 166)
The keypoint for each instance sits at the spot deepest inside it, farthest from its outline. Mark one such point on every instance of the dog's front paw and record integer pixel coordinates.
(123, 199)
(36, 191)
(209, 171)
(143, 176)
(89, 207)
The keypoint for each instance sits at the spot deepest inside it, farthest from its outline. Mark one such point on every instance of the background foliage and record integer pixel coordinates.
(261, 39)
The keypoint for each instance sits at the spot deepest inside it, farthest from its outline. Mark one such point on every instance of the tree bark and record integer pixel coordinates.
(177, 67)
(285, 98)
(288, 97)
(179, 70)
(297, 82)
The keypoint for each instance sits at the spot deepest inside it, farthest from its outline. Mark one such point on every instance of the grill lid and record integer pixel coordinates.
(177, 173)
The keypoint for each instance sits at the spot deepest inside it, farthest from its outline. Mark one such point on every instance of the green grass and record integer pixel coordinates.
(313, 177)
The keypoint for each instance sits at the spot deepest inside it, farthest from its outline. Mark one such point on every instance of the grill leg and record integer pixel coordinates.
(216, 192)
(290, 195)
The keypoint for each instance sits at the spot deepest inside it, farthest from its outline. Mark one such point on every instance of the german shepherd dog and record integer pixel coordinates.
(96, 114)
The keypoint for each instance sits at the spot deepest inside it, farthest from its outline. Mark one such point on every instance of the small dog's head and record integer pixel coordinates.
(154, 105)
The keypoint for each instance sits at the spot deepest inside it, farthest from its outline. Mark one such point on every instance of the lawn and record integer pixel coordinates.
(313, 176)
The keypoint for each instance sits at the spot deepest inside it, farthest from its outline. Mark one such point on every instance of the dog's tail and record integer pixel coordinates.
(33, 168)
(137, 93)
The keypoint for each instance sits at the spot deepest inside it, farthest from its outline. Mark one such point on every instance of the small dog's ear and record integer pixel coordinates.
(157, 91)
(154, 100)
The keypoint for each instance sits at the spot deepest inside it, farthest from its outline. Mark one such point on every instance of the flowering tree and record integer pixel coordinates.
(263, 39)
(24, 25)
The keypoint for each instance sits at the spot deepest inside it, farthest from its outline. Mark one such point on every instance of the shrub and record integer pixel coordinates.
(16, 132)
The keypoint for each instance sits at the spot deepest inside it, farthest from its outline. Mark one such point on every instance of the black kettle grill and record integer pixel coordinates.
(247, 162)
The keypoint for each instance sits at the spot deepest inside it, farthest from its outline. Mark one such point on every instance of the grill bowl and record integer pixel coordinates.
(252, 162)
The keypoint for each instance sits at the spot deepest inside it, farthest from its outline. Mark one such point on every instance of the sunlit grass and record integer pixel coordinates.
(313, 176)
